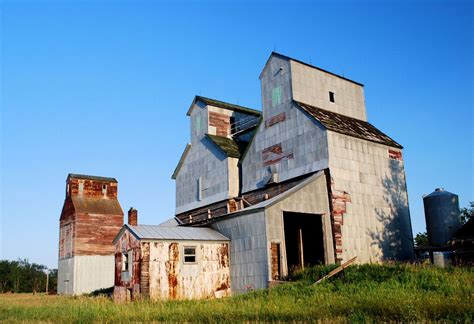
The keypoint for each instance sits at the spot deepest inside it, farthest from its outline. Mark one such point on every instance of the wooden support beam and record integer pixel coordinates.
(337, 270)
(300, 248)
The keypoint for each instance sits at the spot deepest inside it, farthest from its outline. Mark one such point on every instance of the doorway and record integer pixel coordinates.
(303, 239)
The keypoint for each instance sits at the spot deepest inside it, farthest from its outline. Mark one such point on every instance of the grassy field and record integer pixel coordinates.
(369, 292)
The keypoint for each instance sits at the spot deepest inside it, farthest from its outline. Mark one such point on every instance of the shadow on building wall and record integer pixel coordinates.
(394, 238)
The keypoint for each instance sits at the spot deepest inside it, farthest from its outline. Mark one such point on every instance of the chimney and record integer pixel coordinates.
(132, 217)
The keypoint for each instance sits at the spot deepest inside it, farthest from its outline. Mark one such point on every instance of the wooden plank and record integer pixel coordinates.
(300, 248)
(337, 270)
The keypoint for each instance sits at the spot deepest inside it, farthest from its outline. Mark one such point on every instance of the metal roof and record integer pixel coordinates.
(156, 232)
(96, 206)
(226, 105)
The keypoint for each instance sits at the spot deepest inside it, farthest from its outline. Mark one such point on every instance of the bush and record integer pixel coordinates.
(107, 292)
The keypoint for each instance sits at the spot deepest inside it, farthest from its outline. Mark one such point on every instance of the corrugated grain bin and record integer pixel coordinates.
(442, 216)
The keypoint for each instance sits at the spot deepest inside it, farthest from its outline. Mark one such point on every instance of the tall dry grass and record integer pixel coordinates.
(367, 292)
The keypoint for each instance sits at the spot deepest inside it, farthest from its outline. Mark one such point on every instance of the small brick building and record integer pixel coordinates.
(90, 219)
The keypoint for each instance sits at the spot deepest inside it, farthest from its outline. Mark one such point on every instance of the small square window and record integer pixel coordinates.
(331, 97)
(189, 254)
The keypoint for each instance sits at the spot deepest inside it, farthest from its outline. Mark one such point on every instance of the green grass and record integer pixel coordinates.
(363, 293)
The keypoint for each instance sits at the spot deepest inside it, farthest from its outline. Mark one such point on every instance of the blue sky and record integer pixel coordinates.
(102, 88)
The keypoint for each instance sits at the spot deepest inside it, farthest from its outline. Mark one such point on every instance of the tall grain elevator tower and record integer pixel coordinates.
(90, 219)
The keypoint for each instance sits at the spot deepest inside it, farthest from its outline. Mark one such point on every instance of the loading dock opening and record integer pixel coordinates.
(303, 240)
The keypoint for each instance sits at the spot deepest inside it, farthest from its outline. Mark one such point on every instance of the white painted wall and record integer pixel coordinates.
(203, 160)
(86, 273)
(298, 134)
(66, 276)
(377, 224)
(248, 250)
(312, 86)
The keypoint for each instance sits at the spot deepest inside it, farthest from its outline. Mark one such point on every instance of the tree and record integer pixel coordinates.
(4, 275)
(421, 239)
(23, 276)
(467, 213)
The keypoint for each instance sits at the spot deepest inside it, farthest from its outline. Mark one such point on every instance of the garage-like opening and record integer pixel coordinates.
(303, 240)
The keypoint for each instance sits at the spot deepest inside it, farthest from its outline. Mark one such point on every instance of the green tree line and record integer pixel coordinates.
(22, 276)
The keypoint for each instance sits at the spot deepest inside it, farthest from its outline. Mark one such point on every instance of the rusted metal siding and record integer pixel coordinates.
(92, 188)
(90, 218)
(159, 271)
(275, 119)
(221, 122)
(172, 278)
(94, 233)
(127, 242)
(145, 269)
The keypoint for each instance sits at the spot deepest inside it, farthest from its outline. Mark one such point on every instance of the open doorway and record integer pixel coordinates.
(303, 239)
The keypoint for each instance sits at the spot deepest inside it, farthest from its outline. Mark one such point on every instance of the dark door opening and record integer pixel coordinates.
(303, 240)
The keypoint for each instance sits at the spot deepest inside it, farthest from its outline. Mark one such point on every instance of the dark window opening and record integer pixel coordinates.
(189, 254)
(303, 239)
(125, 262)
(232, 125)
(331, 97)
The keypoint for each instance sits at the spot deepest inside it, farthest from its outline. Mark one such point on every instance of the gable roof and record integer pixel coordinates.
(284, 57)
(96, 206)
(91, 177)
(227, 145)
(156, 232)
(181, 161)
(348, 125)
(222, 104)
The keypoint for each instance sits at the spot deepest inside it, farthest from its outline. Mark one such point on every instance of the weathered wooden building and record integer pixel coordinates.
(90, 219)
(307, 180)
(170, 262)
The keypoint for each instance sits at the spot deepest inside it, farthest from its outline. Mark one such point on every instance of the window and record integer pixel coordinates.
(189, 254)
(276, 96)
(124, 261)
(127, 261)
(331, 97)
(199, 189)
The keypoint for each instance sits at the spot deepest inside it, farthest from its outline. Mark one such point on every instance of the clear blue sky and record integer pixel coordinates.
(102, 88)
